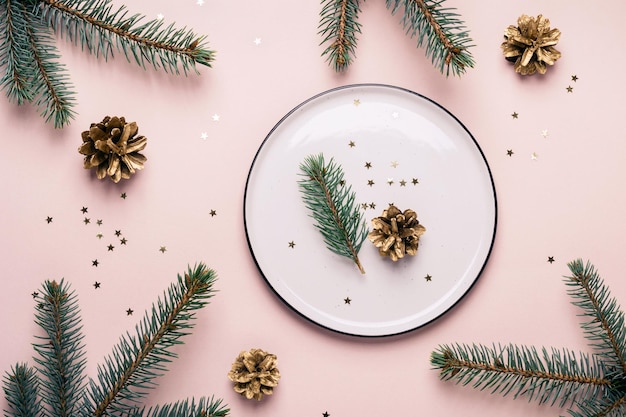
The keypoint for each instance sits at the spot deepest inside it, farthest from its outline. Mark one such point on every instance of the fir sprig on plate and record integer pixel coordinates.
(332, 205)
(595, 385)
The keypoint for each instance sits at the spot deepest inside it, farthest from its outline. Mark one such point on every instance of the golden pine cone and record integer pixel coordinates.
(255, 374)
(112, 147)
(396, 233)
(530, 45)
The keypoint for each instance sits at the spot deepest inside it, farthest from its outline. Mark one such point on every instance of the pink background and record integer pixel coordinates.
(568, 203)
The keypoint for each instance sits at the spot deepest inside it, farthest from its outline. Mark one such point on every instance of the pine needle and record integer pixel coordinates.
(332, 204)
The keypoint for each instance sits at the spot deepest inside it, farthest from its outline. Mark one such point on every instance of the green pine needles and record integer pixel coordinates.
(437, 28)
(30, 59)
(332, 205)
(594, 385)
(56, 386)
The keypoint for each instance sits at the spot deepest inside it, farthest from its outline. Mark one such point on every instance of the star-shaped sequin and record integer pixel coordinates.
(257, 41)
(569, 89)
(402, 183)
(204, 135)
(373, 206)
(544, 133)
(123, 196)
(368, 165)
(216, 117)
(110, 248)
(129, 312)
(95, 262)
(390, 181)
(351, 144)
(87, 220)
(428, 278)
(292, 244)
(347, 300)
(415, 181)
(118, 233)
(550, 259)
(364, 206)
(574, 78)
(96, 285)
(213, 213)
(514, 115)
(534, 156)
(356, 102)
(48, 219)
(370, 182)
(162, 249)
(200, 2)
(84, 210)
(99, 222)
(394, 164)
(325, 414)
(123, 241)
(35, 294)
(509, 152)
(160, 16)
(99, 235)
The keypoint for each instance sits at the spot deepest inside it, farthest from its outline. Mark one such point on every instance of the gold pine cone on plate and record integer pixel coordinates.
(530, 45)
(396, 233)
(255, 374)
(112, 148)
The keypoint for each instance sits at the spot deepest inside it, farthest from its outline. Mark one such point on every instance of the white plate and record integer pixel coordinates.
(405, 137)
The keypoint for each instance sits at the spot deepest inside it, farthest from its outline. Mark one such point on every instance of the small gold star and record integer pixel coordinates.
(414, 181)
(351, 144)
(292, 244)
(96, 285)
(110, 248)
(534, 156)
(390, 181)
(342, 182)
(118, 233)
(325, 414)
(574, 78)
(35, 294)
(129, 312)
(394, 164)
(347, 300)
(428, 278)
(364, 206)
(213, 213)
(87, 220)
(569, 88)
(123, 241)
(544, 133)
(99, 235)
(123, 195)
(162, 249)
(94, 262)
(356, 102)
(373, 205)
(402, 183)
(48, 219)
(368, 165)
(370, 182)
(514, 115)
(550, 259)
(509, 152)
(84, 210)
(99, 222)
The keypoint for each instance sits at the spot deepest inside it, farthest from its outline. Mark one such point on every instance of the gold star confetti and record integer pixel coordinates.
(364, 206)
(347, 300)
(514, 115)
(213, 213)
(35, 294)
(370, 182)
(574, 78)
(204, 136)
(87, 220)
(110, 248)
(123, 241)
(402, 183)
(509, 152)
(160, 16)
(373, 206)
(99, 222)
(118, 233)
(569, 89)
(395, 115)
(94, 262)
(414, 181)
(292, 244)
(325, 414)
(257, 41)
(351, 144)
(550, 259)
(368, 165)
(390, 181)
(394, 164)
(123, 196)
(200, 2)
(534, 156)
(48, 219)
(129, 312)
(99, 235)
(356, 102)
(428, 278)
(162, 249)
(84, 210)
(216, 117)
(342, 182)
(96, 285)
(544, 133)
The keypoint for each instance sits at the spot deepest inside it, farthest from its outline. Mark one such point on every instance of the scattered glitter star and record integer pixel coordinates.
(162, 249)
(216, 117)
(35, 294)
(325, 414)
(373, 206)
(213, 213)
(357, 102)
(534, 156)
(99, 222)
(84, 210)
(123, 196)
(364, 206)
(395, 115)
(574, 78)
(351, 144)
(200, 2)
(550, 259)
(204, 136)
(257, 41)
(509, 152)
(514, 115)
(87, 220)
(123, 241)
(428, 278)
(569, 88)
(370, 182)
(48, 219)
(159, 16)
(99, 235)
(347, 300)
(394, 164)
(402, 183)
(110, 248)
(544, 133)
(118, 233)
(95, 262)
(414, 181)
(129, 312)
(96, 285)
(390, 181)
(342, 182)
(368, 165)
(292, 244)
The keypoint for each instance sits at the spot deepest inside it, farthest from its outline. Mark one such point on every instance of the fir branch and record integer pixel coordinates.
(605, 328)
(20, 390)
(96, 26)
(339, 26)
(61, 359)
(438, 28)
(332, 205)
(521, 370)
(12, 52)
(206, 407)
(49, 83)
(137, 360)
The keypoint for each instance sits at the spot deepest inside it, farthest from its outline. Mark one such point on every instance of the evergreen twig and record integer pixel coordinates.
(332, 204)
(21, 391)
(338, 27)
(594, 384)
